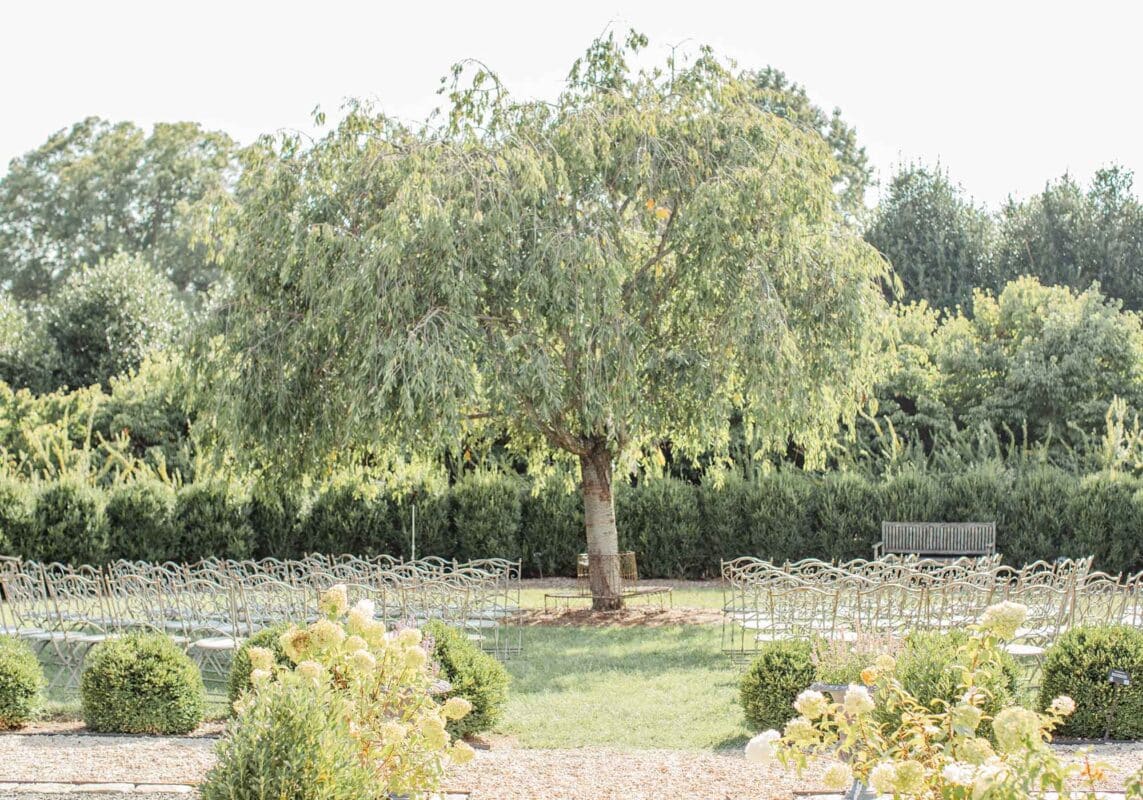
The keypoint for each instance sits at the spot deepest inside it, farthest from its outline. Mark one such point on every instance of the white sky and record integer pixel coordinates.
(1005, 94)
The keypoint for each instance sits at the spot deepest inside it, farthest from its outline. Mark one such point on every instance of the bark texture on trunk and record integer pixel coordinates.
(602, 537)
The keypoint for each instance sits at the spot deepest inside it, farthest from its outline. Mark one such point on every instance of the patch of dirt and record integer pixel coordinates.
(629, 617)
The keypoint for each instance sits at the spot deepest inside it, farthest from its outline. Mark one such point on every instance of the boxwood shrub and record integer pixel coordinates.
(779, 672)
(1077, 665)
(21, 680)
(141, 683)
(476, 676)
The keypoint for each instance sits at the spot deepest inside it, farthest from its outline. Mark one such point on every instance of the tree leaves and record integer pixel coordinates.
(630, 263)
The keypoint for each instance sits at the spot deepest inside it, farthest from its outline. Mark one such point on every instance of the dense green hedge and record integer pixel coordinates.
(677, 529)
(1077, 665)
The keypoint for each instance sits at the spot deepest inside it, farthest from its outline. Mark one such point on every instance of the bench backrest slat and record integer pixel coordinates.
(939, 538)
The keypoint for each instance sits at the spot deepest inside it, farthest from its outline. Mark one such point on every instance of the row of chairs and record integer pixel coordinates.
(893, 596)
(211, 606)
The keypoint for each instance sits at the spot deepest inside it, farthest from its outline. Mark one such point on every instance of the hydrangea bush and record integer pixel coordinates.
(375, 695)
(930, 754)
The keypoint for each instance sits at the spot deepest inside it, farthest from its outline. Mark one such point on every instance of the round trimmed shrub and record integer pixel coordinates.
(1077, 665)
(142, 683)
(476, 676)
(239, 678)
(21, 679)
(780, 672)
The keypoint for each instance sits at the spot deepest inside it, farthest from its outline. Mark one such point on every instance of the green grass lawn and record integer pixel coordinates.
(632, 688)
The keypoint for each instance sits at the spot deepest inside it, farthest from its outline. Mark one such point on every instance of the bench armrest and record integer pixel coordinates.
(877, 549)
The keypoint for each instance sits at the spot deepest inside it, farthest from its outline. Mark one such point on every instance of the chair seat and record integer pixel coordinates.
(1024, 650)
(477, 622)
(215, 643)
(94, 638)
(49, 636)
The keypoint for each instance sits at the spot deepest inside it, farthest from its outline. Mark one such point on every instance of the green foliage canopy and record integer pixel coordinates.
(938, 242)
(1043, 362)
(634, 261)
(107, 318)
(98, 189)
(1072, 237)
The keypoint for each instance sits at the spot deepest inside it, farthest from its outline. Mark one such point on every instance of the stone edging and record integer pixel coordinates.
(56, 787)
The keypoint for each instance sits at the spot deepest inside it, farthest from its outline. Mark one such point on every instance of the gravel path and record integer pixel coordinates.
(503, 773)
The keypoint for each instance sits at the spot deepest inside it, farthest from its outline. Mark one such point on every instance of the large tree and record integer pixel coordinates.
(105, 319)
(634, 261)
(938, 242)
(1068, 236)
(98, 189)
(789, 100)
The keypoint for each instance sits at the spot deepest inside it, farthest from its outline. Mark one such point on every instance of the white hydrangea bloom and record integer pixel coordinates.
(310, 669)
(260, 658)
(959, 774)
(761, 749)
(883, 778)
(837, 777)
(909, 777)
(334, 601)
(363, 660)
(1064, 706)
(858, 701)
(800, 731)
(409, 637)
(456, 708)
(1004, 619)
(811, 704)
(1017, 728)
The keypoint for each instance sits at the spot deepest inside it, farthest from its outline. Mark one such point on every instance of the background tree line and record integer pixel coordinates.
(1001, 345)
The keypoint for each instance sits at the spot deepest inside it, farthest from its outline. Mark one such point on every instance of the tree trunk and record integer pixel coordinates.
(602, 537)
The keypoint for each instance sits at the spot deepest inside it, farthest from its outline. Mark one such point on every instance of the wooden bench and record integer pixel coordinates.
(937, 539)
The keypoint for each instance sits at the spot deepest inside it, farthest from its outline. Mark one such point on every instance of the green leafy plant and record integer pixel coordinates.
(1078, 665)
(211, 521)
(21, 680)
(485, 509)
(69, 523)
(141, 683)
(473, 674)
(238, 681)
(370, 728)
(775, 677)
(929, 754)
(295, 741)
(931, 668)
(140, 522)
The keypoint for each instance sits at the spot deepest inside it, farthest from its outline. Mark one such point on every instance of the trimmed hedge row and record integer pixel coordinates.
(677, 529)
